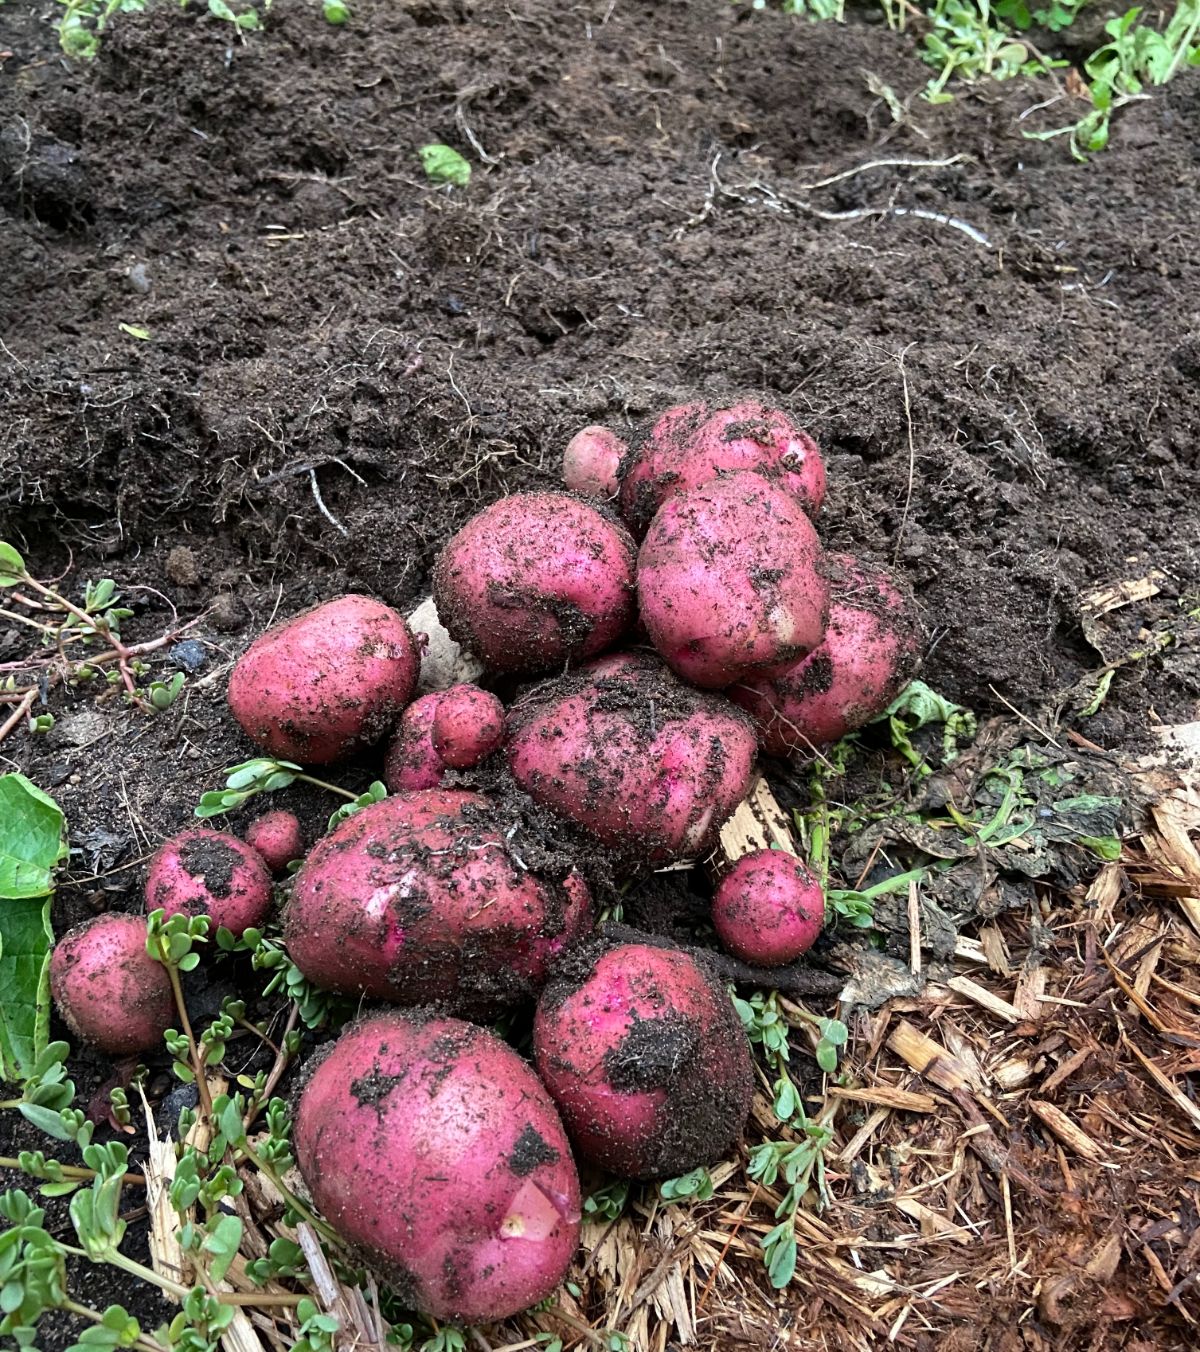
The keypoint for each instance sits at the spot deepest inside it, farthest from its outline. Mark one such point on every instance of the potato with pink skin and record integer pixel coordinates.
(468, 726)
(645, 1056)
(417, 899)
(535, 581)
(328, 683)
(870, 652)
(591, 461)
(108, 989)
(769, 908)
(277, 837)
(204, 872)
(432, 1147)
(730, 581)
(692, 444)
(412, 762)
(642, 762)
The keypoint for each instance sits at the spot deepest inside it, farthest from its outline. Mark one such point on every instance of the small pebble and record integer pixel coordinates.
(139, 278)
(182, 567)
(189, 654)
(228, 614)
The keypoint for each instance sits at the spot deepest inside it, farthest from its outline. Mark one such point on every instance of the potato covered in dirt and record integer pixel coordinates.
(692, 444)
(870, 652)
(591, 461)
(276, 836)
(468, 726)
(645, 764)
(412, 762)
(730, 581)
(645, 1055)
(769, 908)
(419, 899)
(327, 683)
(205, 872)
(536, 580)
(432, 1147)
(108, 989)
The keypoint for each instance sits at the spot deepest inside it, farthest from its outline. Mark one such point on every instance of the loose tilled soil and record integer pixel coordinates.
(252, 357)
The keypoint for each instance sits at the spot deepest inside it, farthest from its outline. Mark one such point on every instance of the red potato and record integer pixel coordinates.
(645, 1057)
(468, 726)
(108, 989)
(327, 683)
(277, 837)
(203, 872)
(418, 900)
(692, 444)
(536, 580)
(730, 581)
(591, 461)
(644, 763)
(870, 652)
(412, 762)
(769, 908)
(433, 1148)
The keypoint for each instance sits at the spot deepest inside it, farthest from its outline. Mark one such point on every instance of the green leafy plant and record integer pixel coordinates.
(443, 164)
(245, 20)
(68, 634)
(1136, 54)
(335, 12)
(801, 1166)
(696, 1186)
(263, 775)
(608, 1202)
(32, 845)
(83, 21)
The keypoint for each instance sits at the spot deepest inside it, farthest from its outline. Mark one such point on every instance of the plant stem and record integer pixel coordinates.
(322, 784)
(19, 713)
(24, 619)
(287, 1194)
(67, 1170)
(193, 1051)
(282, 1059)
(144, 1341)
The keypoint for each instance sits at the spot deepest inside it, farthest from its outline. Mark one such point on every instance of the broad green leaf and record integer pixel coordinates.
(12, 566)
(443, 164)
(31, 844)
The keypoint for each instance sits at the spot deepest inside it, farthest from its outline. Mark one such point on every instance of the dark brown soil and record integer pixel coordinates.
(344, 360)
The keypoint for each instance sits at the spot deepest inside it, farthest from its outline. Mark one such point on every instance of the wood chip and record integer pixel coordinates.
(980, 995)
(1172, 1090)
(758, 823)
(931, 1223)
(1125, 593)
(887, 1096)
(929, 1058)
(1072, 1136)
(1068, 1068)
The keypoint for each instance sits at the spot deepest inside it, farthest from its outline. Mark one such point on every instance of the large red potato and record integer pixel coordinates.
(432, 1147)
(536, 580)
(731, 581)
(692, 444)
(108, 989)
(645, 1056)
(870, 652)
(644, 763)
(417, 900)
(327, 683)
(205, 872)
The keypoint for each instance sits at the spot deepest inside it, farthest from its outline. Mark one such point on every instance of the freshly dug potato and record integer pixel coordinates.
(468, 726)
(417, 900)
(277, 837)
(108, 989)
(769, 908)
(591, 461)
(327, 683)
(411, 761)
(692, 444)
(869, 654)
(643, 1052)
(432, 1147)
(204, 872)
(536, 580)
(731, 581)
(644, 763)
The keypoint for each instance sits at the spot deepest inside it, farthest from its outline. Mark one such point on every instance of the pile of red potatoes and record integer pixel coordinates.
(662, 622)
